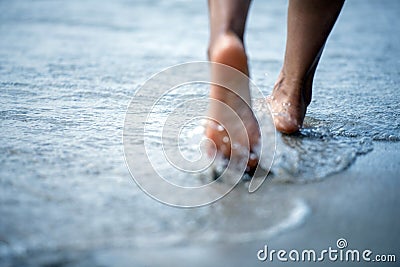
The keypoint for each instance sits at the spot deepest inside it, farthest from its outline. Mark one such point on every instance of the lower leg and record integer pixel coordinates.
(227, 23)
(227, 26)
(309, 25)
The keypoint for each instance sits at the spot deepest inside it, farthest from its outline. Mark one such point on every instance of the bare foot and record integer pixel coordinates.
(230, 109)
(289, 101)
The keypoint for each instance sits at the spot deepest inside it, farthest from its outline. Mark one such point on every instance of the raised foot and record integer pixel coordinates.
(233, 128)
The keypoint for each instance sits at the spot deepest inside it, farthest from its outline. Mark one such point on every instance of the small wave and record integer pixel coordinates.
(315, 153)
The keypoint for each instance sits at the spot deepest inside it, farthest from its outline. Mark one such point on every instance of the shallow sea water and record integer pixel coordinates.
(68, 71)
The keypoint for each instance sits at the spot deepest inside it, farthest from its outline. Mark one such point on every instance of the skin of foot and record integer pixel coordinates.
(290, 98)
(289, 101)
(229, 50)
(309, 24)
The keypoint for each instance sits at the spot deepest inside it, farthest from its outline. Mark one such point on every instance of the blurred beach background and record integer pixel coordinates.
(68, 71)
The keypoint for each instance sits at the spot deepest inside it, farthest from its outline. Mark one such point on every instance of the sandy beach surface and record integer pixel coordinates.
(359, 204)
(68, 72)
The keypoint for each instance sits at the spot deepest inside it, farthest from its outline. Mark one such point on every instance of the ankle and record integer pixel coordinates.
(228, 49)
(289, 80)
(291, 84)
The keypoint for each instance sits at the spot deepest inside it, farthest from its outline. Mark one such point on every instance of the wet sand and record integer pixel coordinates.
(359, 204)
